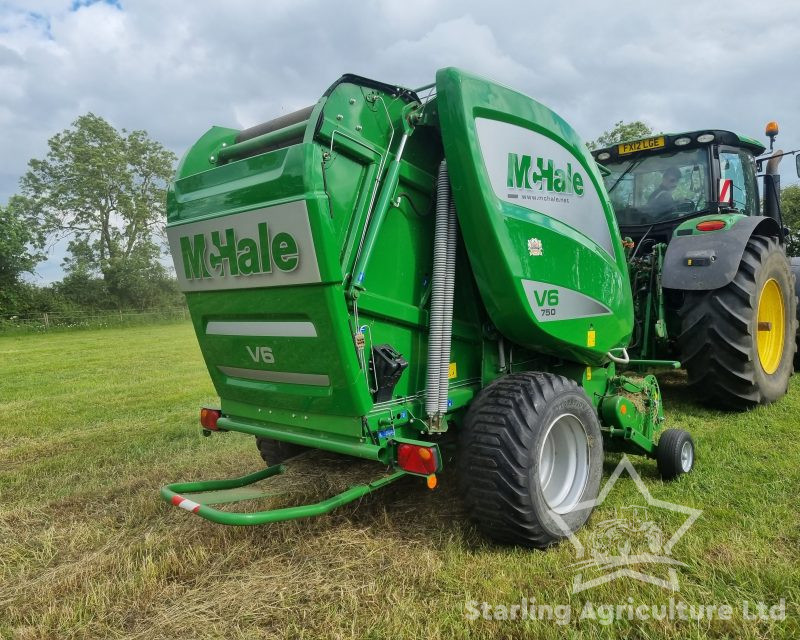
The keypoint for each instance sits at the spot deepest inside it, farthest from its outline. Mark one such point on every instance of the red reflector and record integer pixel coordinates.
(417, 459)
(710, 225)
(209, 417)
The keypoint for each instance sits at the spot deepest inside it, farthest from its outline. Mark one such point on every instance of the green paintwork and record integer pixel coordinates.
(648, 303)
(359, 270)
(628, 427)
(496, 232)
(203, 492)
(349, 142)
(729, 219)
(756, 146)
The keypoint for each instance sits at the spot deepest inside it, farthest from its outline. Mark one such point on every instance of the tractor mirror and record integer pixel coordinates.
(725, 191)
(797, 164)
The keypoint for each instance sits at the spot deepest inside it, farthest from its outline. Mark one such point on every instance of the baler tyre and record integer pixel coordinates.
(276, 451)
(737, 342)
(674, 453)
(530, 459)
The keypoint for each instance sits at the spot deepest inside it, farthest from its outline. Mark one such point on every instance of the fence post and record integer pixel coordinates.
(46, 322)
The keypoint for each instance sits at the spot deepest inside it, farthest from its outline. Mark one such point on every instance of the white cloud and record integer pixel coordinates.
(177, 68)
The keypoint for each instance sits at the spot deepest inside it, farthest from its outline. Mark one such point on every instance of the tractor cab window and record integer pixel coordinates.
(658, 188)
(738, 166)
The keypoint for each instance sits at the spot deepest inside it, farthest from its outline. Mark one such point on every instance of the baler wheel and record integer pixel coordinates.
(530, 458)
(675, 453)
(737, 342)
(275, 451)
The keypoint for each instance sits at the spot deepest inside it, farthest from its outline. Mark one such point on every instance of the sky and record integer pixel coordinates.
(176, 67)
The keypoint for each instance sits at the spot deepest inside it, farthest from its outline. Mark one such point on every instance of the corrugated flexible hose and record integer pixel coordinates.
(449, 291)
(438, 298)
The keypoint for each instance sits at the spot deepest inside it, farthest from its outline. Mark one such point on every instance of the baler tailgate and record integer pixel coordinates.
(198, 496)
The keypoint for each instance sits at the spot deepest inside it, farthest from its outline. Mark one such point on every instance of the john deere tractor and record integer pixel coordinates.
(711, 282)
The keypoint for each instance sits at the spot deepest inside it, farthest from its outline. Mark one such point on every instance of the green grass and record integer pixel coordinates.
(92, 423)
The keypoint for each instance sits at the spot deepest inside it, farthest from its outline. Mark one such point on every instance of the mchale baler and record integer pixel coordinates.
(390, 278)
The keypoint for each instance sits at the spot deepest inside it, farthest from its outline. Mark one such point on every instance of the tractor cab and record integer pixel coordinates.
(656, 184)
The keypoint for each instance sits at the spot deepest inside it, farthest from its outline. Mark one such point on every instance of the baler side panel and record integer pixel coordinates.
(538, 226)
(256, 251)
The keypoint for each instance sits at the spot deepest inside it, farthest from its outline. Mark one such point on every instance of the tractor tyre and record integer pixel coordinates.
(674, 453)
(530, 459)
(795, 262)
(738, 342)
(275, 451)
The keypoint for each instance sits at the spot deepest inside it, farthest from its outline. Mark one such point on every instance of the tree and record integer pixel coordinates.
(621, 132)
(21, 240)
(105, 190)
(790, 211)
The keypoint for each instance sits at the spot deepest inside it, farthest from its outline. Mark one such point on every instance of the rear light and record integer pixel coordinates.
(418, 459)
(209, 417)
(710, 225)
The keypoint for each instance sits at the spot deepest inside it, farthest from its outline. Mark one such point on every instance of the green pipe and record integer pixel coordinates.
(264, 140)
(383, 204)
(307, 438)
(381, 209)
(174, 494)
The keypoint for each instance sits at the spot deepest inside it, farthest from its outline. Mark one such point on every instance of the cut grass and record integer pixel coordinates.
(94, 422)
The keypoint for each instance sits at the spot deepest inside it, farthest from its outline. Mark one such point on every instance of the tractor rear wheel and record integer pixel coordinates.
(275, 451)
(530, 458)
(737, 342)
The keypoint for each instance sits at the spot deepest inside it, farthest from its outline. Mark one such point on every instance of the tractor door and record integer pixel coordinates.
(738, 165)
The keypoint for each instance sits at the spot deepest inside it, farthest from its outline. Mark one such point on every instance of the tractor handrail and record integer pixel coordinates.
(625, 359)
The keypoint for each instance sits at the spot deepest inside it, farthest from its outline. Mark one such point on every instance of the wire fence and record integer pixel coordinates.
(44, 322)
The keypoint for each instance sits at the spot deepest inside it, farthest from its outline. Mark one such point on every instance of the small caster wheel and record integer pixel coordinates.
(675, 453)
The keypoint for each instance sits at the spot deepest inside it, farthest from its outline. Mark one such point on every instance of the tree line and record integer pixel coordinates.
(103, 192)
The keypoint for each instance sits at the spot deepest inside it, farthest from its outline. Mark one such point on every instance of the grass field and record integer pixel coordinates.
(92, 423)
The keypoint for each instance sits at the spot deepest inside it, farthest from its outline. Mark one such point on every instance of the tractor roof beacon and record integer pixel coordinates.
(392, 275)
(712, 284)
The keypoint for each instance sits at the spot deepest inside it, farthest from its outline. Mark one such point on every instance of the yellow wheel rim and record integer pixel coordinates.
(771, 326)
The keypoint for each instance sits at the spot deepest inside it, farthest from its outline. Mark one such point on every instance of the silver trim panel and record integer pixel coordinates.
(288, 377)
(262, 329)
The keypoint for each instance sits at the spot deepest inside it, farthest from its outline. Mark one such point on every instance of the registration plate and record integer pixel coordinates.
(640, 145)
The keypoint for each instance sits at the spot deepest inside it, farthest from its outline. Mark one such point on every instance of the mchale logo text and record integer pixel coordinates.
(523, 174)
(242, 256)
